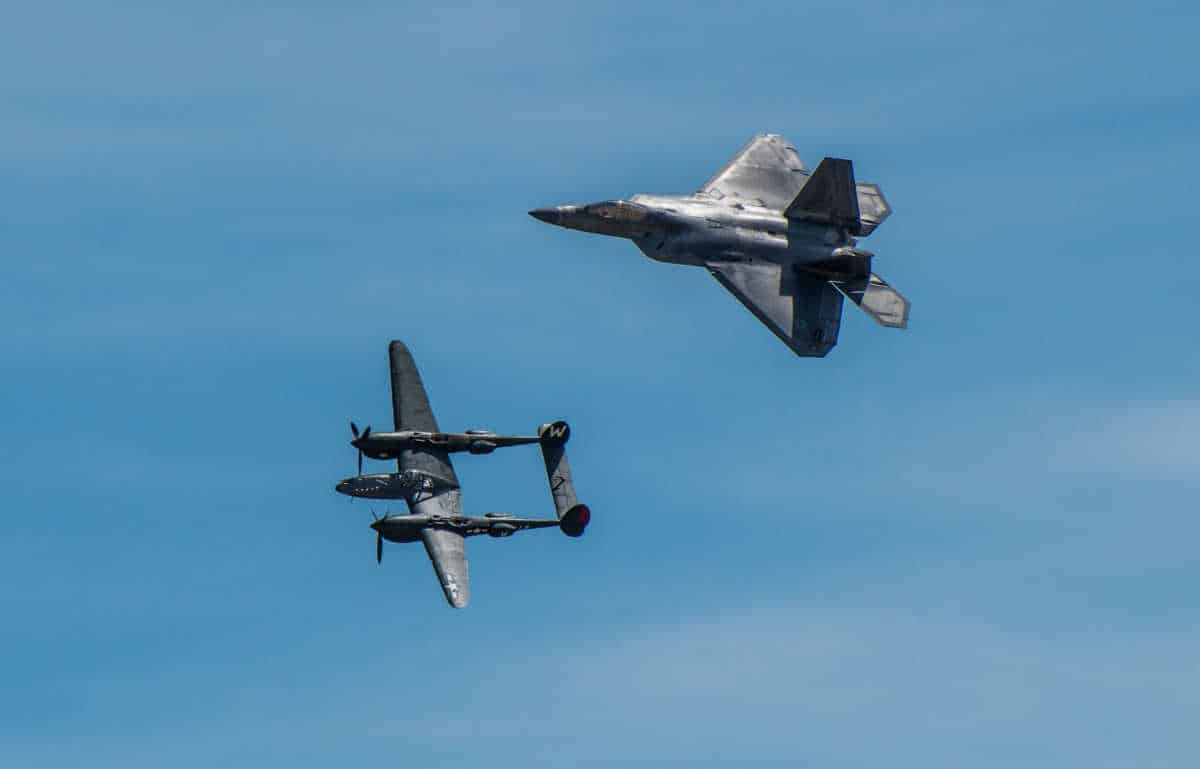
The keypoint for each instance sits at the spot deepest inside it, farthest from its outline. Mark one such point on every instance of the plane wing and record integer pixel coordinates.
(448, 552)
(767, 171)
(411, 411)
(805, 311)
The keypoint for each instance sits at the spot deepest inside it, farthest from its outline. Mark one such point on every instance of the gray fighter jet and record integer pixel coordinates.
(426, 481)
(782, 240)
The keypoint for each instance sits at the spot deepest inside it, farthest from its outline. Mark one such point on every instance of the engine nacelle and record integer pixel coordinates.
(481, 447)
(575, 520)
(501, 529)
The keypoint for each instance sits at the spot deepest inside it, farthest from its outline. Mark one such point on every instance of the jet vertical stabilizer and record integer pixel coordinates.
(829, 196)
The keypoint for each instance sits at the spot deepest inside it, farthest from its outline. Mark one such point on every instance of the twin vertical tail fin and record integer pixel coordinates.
(828, 197)
(832, 196)
(573, 517)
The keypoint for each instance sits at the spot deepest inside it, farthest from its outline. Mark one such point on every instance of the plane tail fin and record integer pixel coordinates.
(876, 298)
(572, 516)
(829, 196)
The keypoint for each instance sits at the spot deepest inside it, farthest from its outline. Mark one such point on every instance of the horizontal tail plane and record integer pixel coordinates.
(878, 299)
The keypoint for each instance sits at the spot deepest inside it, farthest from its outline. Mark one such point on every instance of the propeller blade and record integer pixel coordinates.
(379, 548)
(354, 429)
(366, 431)
(360, 461)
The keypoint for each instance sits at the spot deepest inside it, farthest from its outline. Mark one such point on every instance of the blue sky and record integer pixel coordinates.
(971, 544)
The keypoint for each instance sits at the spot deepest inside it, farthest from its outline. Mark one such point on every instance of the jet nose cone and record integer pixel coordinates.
(548, 215)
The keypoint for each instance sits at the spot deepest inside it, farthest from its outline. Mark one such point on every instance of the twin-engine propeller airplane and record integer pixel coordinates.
(427, 483)
(779, 238)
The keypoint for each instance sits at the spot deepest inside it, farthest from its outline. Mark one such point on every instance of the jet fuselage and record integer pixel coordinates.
(695, 230)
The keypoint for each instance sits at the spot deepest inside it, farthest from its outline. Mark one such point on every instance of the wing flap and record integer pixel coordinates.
(411, 411)
(767, 171)
(804, 311)
(448, 553)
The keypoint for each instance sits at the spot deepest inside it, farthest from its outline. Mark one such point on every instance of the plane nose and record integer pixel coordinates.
(548, 214)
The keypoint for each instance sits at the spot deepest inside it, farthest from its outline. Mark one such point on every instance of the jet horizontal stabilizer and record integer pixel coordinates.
(878, 299)
(873, 208)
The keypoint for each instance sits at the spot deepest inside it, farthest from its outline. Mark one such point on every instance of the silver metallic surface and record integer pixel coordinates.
(780, 239)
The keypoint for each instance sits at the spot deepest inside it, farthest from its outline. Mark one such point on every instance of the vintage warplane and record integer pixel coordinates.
(780, 239)
(426, 482)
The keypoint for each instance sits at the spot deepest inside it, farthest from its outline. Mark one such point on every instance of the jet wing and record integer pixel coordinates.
(448, 553)
(767, 171)
(803, 310)
(411, 411)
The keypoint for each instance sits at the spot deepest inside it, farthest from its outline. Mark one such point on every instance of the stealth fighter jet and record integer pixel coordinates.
(426, 481)
(781, 239)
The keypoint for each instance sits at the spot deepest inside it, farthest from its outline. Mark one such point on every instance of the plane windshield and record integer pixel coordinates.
(617, 210)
